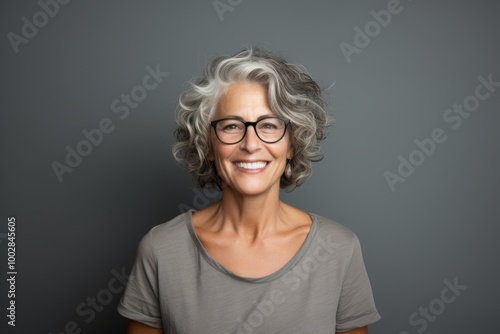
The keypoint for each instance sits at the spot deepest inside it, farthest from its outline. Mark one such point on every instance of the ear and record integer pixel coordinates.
(290, 152)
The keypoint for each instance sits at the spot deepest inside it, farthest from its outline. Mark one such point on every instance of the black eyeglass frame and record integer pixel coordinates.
(252, 124)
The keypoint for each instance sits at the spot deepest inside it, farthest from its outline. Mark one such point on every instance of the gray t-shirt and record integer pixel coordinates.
(176, 285)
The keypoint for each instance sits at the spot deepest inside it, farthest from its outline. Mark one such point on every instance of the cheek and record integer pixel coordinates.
(281, 152)
(219, 154)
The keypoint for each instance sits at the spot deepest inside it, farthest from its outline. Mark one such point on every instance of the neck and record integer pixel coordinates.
(250, 216)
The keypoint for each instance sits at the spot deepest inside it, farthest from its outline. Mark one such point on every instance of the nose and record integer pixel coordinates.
(251, 142)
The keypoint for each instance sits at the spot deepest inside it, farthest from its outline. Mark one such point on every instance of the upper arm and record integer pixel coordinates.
(140, 300)
(356, 307)
(361, 330)
(135, 327)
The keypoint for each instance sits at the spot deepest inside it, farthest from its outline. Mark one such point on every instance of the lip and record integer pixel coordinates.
(250, 170)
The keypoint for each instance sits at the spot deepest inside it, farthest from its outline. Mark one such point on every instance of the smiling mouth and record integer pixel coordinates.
(251, 165)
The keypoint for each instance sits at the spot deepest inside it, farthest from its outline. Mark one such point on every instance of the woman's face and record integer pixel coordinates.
(250, 167)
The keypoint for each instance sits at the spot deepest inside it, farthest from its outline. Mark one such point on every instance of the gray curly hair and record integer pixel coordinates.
(292, 94)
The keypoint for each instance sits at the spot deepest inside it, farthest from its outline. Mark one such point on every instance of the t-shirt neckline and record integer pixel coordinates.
(288, 266)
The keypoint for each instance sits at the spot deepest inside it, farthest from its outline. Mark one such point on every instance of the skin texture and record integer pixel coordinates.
(250, 223)
(250, 230)
(135, 327)
(249, 102)
(361, 330)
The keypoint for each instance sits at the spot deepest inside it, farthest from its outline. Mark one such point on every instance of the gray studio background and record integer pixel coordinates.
(76, 236)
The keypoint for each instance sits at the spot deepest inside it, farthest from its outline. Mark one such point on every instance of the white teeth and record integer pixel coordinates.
(251, 165)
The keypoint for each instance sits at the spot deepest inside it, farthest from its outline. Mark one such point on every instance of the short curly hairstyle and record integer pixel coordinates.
(292, 94)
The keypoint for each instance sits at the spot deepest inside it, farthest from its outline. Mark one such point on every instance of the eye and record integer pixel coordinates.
(231, 126)
(268, 126)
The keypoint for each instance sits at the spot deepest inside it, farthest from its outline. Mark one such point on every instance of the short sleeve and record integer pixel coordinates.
(356, 305)
(140, 301)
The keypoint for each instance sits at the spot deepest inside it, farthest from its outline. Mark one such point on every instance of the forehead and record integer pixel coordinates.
(244, 99)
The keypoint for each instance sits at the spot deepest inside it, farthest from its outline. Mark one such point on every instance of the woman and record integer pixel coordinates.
(249, 263)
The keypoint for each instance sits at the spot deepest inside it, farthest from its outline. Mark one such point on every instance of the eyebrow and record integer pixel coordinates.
(242, 119)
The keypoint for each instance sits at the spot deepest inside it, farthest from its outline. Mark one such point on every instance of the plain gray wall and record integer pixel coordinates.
(73, 236)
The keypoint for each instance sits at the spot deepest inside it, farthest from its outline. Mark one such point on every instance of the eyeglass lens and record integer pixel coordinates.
(233, 130)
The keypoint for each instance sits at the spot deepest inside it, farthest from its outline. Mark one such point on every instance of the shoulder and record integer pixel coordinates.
(174, 225)
(335, 234)
(329, 226)
(167, 235)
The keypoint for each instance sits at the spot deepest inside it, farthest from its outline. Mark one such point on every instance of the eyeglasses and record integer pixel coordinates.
(231, 130)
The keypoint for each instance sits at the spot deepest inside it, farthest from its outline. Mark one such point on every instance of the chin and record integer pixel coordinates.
(251, 188)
